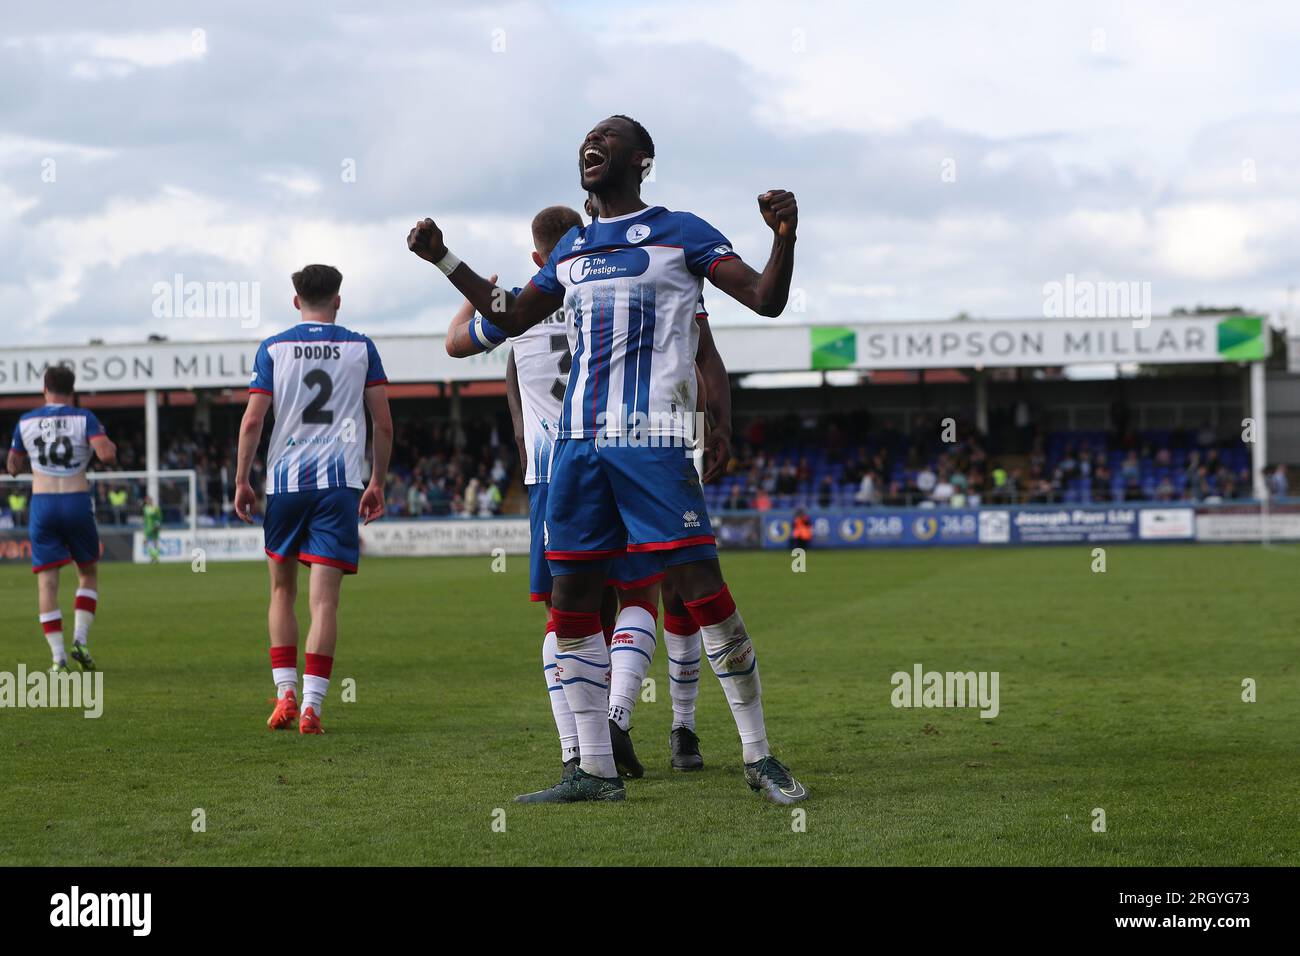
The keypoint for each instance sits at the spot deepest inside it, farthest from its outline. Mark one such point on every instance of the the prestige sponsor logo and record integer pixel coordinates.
(608, 265)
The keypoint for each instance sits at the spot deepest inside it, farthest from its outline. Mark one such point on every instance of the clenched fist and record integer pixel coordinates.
(425, 240)
(780, 211)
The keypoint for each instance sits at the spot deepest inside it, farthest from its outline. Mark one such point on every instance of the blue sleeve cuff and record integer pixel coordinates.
(485, 334)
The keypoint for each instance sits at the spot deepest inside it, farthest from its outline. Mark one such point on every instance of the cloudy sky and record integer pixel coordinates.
(947, 157)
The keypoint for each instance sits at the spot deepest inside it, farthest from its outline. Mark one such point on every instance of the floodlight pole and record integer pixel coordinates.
(151, 441)
(981, 401)
(457, 434)
(1259, 412)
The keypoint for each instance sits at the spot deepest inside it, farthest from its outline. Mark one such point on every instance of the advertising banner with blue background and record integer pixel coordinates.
(943, 527)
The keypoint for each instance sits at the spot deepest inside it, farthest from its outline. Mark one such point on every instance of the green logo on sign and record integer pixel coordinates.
(833, 347)
(1242, 338)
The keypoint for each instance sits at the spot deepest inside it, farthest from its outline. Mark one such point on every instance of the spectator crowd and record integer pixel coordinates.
(789, 461)
(803, 462)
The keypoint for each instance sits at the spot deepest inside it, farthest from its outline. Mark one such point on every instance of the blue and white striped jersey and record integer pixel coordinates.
(630, 287)
(317, 375)
(542, 363)
(57, 439)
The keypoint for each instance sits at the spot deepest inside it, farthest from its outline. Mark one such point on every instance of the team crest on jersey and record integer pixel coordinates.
(690, 520)
(637, 232)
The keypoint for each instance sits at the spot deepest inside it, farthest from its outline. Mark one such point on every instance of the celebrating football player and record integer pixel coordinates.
(629, 284)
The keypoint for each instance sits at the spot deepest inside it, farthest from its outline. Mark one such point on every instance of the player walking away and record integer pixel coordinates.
(629, 284)
(536, 373)
(317, 376)
(152, 529)
(56, 441)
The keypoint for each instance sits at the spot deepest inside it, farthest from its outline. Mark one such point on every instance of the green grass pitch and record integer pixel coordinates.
(1120, 691)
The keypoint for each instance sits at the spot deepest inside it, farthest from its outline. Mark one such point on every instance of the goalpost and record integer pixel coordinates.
(175, 487)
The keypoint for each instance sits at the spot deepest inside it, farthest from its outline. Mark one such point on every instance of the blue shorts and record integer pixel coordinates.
(633, 570)
(609, 500)
(539, 572)
(636, 569)
(62, 530)
(316, 527)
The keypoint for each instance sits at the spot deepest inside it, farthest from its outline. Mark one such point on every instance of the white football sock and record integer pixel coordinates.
(631, 652)
(313, 691)
(565, 725)
(286, 679)
(52, 624)
(87, 602)
(683, 652)
(731, 655)
(583, 670)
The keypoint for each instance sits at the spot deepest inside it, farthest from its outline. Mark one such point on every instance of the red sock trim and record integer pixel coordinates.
(286, 656)
(571, 625)
(681, 624)
(713, 609)
(550, 621)
(86, 604)
(319, 665)
(52, 627)
(652, 608)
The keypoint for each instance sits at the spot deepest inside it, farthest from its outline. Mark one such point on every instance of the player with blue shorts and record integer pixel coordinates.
(320, 378)
(56, 442)
(620, 482)
(536, 376)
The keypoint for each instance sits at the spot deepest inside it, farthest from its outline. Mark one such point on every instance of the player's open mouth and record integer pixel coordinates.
(593, 158)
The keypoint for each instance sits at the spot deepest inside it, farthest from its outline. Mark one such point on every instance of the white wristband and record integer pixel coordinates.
(448, 263)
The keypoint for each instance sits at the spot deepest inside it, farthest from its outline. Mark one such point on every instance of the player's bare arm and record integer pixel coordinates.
(250, 433)
(460, 344)
(381, 443)
(105, 449)
(512, 314)
(765, 292)
(17, 462)
(717, 404)
(516, 403)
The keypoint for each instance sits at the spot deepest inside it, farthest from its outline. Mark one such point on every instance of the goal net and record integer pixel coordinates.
(119, 498)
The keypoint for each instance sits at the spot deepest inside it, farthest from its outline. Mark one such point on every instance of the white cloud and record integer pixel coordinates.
(301, 184)
(220, 152)
(91, 56)
(26, 149)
